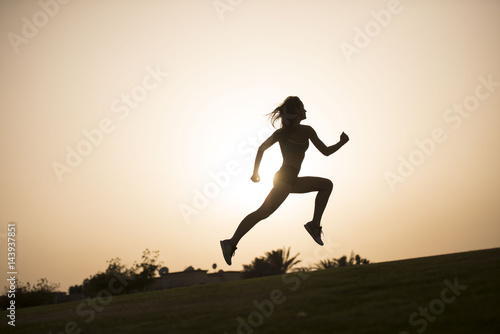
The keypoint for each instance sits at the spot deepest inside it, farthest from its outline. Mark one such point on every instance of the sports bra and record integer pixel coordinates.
(294, 146)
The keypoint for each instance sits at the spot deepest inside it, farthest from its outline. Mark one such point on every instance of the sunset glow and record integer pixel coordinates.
(128, 125)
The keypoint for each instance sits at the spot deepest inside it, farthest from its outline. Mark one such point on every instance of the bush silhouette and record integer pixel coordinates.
(41, 293)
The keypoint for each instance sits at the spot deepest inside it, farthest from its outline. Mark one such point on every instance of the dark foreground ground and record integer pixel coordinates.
(456, 293)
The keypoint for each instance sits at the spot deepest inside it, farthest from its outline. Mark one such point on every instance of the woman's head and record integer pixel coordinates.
(290, 112)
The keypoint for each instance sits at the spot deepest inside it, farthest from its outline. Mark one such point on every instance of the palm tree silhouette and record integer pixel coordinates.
(275, 262)
(326, 264)
(280, 260)
(354, 259)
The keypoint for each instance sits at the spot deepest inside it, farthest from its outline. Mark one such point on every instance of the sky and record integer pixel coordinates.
(127, 125)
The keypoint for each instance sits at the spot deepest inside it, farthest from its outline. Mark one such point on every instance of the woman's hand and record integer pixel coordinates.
(344, 138)
(255, 177)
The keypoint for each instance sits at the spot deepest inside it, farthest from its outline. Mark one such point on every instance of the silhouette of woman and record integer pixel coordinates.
(293, 139)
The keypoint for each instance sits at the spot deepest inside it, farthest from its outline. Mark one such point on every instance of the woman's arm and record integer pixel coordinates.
(326, 150)
(260, 152)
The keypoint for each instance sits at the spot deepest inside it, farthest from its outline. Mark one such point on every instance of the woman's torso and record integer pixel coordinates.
(293, 143)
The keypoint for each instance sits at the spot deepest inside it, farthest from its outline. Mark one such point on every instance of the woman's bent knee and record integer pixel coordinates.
(328, 185)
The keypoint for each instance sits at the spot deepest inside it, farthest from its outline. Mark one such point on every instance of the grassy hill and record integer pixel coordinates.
(455, 293)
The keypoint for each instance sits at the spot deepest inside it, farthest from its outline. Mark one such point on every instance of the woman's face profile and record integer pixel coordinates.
(301, 112)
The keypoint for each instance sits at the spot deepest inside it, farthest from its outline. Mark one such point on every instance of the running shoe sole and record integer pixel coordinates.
(226, 251)
(317, 239)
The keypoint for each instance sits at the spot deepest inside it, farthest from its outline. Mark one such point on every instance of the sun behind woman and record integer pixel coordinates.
(293, 139)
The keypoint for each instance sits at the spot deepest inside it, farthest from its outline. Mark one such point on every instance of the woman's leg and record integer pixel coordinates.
(324, 188)
(277, 195)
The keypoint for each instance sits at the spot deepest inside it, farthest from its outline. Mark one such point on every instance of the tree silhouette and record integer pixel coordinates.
(100, 281)
(138, 277)
(360, 261)
(146, 270)
(342, 262)
(275, 262)
(76, 289)
(326, 264)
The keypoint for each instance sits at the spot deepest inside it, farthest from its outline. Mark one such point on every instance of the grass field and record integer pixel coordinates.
(455, 293)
